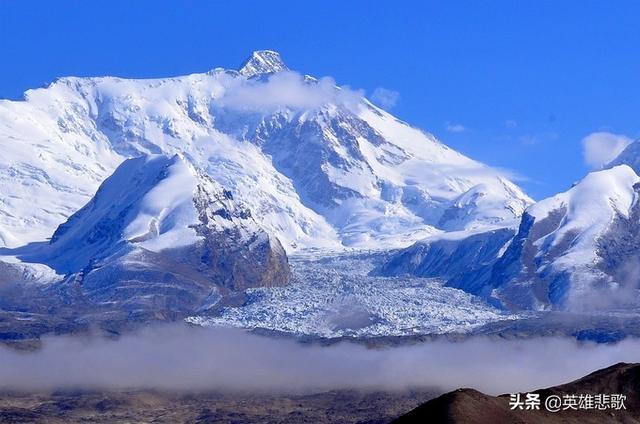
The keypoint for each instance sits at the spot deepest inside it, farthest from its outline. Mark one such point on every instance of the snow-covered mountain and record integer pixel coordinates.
(117, 195)
(318, 165)
(157, 232)
(577, 250)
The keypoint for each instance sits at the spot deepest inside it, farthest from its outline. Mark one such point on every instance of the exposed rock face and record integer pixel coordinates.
(160, 235)
(238, 257)
(517, 270)
(463, 263)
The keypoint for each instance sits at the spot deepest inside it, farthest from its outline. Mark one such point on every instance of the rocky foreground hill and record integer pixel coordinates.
(468, 406)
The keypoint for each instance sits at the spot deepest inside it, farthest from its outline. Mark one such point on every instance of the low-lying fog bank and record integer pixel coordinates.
(181, 357)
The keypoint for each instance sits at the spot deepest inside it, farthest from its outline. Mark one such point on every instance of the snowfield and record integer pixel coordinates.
(333, 296)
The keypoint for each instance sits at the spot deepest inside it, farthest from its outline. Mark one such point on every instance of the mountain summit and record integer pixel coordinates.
(262, 62)
(318, 165)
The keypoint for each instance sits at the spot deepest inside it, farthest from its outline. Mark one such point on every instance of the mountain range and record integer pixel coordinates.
(318, 165)
(188, 192)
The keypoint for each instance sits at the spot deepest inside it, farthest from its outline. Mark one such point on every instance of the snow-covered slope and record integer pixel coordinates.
(579, 249)
(318, 165)
(157, 228)
(52, 161)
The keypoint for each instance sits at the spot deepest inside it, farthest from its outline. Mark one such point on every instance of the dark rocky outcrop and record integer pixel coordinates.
(468, 406)
(463, 263)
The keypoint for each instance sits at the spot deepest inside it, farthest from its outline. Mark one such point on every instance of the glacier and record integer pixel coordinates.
(263, 198)
(334, 296)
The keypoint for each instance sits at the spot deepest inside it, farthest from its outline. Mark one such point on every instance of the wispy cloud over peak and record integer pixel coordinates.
(600, 148)
(454, 127)
(285, 89)
(385, 98)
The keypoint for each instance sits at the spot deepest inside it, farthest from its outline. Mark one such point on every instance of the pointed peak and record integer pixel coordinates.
(262, 62)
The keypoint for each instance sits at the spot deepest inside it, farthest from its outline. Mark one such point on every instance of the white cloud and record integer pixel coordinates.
(177, 357)
(385, 98)
(510, 123)
(600, 148)
(454, 128)
(283, 90)
(512, 175)
(535, 139)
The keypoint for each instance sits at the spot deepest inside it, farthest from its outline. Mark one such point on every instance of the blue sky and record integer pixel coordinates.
(517, 85)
